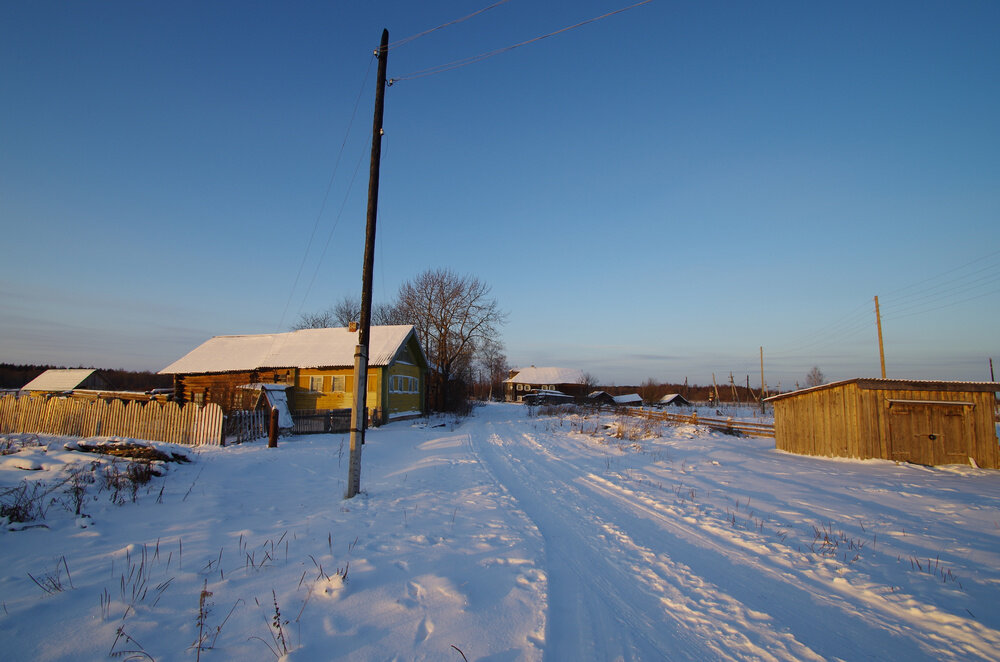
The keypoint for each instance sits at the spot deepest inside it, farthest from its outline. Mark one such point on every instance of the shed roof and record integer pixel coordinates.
(897, 385)
(628, 399)
(59, 379)
(549, 375)
(306, 348)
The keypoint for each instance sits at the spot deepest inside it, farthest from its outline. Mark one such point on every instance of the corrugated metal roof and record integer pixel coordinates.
(307, 348)
(58, 379)
(896, 385)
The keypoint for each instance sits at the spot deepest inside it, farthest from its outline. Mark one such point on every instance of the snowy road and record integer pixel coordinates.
(638, 570)
(507, 536)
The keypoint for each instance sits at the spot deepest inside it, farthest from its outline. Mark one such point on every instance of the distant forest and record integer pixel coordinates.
(16, 376)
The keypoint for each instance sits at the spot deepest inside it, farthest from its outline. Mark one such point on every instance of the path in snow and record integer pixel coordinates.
(631, 576)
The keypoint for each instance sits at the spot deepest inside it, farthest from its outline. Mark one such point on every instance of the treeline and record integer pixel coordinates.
(16, 376)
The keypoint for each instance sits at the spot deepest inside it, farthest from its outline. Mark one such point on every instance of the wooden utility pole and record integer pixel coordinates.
(359, 414)
(763, 389)
(881, 349)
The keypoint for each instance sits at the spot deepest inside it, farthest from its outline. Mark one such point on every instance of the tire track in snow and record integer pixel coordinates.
(931, 628)
(611, 598)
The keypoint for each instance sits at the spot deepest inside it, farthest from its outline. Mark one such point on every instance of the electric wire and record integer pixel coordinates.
(329, 236)
(967, 283)
(326, 196)
(406, 40)
(431, 71)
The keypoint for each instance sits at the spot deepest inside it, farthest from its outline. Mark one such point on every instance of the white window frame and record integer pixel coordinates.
(342, 379)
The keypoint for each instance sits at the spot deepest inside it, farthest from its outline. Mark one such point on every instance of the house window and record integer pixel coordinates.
(520, 387)
(316, 384)
(198, 398)
(339, 383)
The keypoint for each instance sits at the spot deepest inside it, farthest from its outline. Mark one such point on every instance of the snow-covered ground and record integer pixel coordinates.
(504, 537)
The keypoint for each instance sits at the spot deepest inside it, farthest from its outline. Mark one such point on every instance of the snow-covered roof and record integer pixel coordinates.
(535, 375)
(60, 379)
(628, 399)
(306, 348)
(671, 397)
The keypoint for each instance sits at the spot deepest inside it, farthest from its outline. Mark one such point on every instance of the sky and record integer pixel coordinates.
(664, 194)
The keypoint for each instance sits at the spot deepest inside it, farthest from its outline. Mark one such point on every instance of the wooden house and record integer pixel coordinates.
(566, 380)
(62, 380)
(925, 422)
(315, 365)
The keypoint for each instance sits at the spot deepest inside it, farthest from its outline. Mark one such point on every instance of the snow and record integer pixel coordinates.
(58, 379)
(549, 375)
(509, 535)
(306, 348)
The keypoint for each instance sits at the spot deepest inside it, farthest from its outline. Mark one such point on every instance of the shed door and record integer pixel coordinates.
(930, 432)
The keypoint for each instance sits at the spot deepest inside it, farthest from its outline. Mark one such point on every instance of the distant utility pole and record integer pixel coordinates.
(992, 378)
(881, 349)
(763, 389)
(359, 414)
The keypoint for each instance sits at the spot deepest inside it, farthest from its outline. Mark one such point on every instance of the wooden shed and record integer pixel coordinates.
(925, 422)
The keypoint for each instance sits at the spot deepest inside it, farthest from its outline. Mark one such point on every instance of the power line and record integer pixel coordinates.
(401, 42)
(326, 195)
(483, 56)
(329, 236)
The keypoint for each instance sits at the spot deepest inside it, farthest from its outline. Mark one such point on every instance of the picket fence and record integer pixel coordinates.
(151, 421)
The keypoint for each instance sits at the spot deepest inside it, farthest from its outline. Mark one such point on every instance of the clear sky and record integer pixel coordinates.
(656, 194)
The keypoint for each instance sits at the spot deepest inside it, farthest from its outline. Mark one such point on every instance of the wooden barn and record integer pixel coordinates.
(924, 422)
(316, 367)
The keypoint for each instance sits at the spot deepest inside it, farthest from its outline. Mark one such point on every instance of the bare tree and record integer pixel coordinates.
(321, 320)
(815, 377)
(649, 390)
(454, 315)
(348, 310)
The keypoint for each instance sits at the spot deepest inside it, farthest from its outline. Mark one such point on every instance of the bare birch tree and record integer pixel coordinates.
(454, 316)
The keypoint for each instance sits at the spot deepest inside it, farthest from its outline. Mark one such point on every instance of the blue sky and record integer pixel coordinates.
(657, 194)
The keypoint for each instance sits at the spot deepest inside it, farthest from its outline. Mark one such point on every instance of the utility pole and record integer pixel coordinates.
(359, 413)
(881, 349)
(762, 387)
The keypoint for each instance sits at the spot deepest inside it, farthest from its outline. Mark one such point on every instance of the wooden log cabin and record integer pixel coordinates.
(924, 422)
(316, 365)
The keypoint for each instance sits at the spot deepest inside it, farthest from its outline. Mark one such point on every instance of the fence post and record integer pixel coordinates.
(272, 431)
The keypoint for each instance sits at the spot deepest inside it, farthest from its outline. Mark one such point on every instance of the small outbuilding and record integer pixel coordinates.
(601, 398)
(628, 400)
(673, 400)
(61, 380)
(924, 422)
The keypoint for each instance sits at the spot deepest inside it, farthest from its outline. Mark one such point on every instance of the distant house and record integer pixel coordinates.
(601, 398)
(628, 400)
(316, 367)
(673, 400)
(62, 380)
(924, 422)
(568, 380)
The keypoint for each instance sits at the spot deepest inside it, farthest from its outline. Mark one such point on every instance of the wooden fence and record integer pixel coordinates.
(246, 425)
(723, 424)
(150, 421)
(321, 420)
